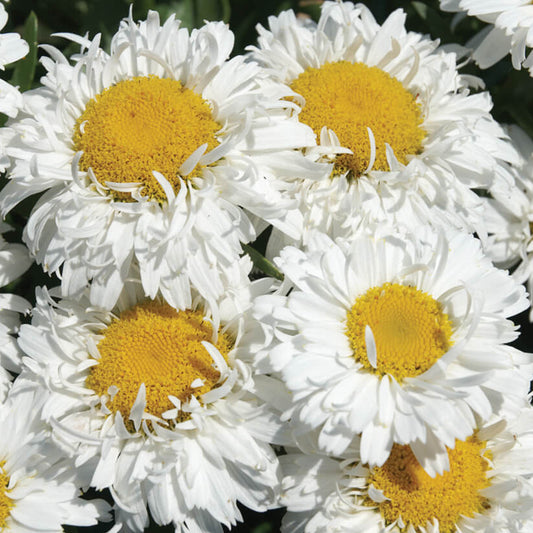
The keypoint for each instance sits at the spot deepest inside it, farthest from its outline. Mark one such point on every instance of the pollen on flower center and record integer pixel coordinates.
(351, 97)
(417, 498)
(409, 327)
(6, 503)
(140, 125)
(154, 344)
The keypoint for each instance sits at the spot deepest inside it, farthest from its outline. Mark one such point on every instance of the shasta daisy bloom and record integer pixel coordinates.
(509, 214)
(14, 261)
(38, 491)
(12, 48)
(406, 138)
(510, 30)
(147, 156)
(399, 338)
(488, 488)
(153, 403)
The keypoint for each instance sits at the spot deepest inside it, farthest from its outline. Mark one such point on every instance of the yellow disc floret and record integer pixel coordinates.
(154, 344)
(140, 125)
(409, 327)
(6, 503)
(351, 97)
(418, 498)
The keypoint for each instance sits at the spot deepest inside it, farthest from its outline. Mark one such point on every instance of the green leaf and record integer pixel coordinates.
(262, 263)
(421, 9)
(24, 71)
(211, 10)
(182, 9)
(434, 22)
(141, 8)
(192, 13)
(263, 528)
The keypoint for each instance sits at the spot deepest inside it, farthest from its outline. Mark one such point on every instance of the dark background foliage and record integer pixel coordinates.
(38, 20)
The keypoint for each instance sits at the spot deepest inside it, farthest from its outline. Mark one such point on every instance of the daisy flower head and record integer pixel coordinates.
(12, 48)
(153, 403)
(509, 214)
(38, 490)
(399, 337)
(487, 488)
(146, 157)
(509, 31)
(406, 137)
(14, 261)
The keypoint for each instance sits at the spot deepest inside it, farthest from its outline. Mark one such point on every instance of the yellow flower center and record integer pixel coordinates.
(154, 344)
(418, 498)
(409, 328)
(6, 503)
(351, 97)
(140, 125)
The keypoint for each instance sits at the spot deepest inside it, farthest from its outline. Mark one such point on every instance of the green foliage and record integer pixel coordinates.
(192, 13)
(435, 23)
(262, 263)
(264, 528)
(24, 71)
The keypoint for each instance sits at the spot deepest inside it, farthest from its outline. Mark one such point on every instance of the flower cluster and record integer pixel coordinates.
(358, 367)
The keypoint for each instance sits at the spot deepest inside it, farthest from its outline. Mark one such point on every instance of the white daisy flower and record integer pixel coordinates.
(148, 155)
(407, 140)
(14, 261)
(12, 48)
(509, 215)
(154, 404)
(510, 30)
(401, 338)
(37, 491)
(488, 488)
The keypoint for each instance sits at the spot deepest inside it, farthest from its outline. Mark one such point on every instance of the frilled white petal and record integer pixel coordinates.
(303, 337)
(463, 150)
(510, 30)
(190, 472)
(335, 494)
(79, 231)
(43, 485)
